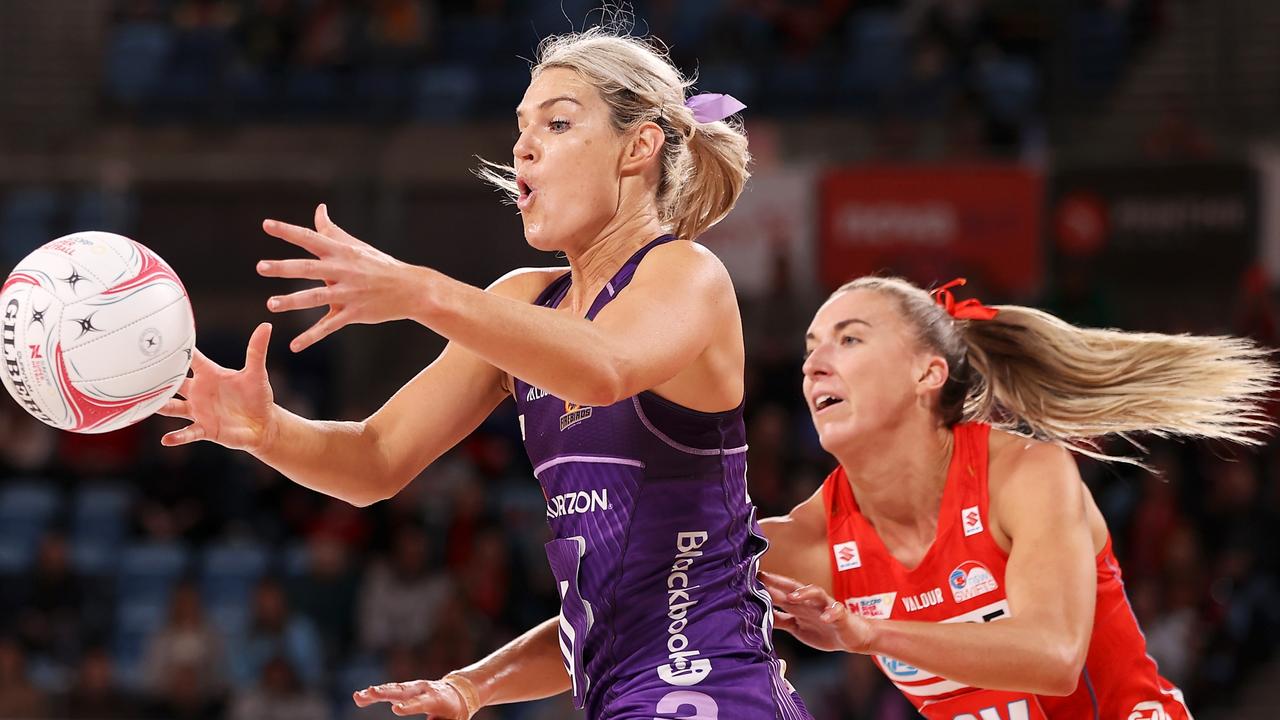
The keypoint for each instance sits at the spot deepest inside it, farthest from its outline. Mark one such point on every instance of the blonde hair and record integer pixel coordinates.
(704, 165)
(1029, 372)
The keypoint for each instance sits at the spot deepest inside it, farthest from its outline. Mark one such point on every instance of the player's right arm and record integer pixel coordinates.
(527, 668)
(359, 462)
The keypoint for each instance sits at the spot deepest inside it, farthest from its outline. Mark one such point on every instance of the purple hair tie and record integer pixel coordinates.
(710, 107)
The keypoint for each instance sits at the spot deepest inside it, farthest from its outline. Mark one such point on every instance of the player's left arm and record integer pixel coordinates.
(1050, 583)
(677, 301)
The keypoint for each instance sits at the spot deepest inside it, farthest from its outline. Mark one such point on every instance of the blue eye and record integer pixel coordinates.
(558, 126)
(849, 340)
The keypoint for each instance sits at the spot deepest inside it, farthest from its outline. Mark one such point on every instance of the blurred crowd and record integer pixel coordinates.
(193, 582)
(983, 63)
(145, 582)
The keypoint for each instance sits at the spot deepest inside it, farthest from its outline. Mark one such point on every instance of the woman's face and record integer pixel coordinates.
(864, 369)
(567, 161)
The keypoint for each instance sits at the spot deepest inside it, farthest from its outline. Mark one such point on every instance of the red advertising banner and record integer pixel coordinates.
(932, 223)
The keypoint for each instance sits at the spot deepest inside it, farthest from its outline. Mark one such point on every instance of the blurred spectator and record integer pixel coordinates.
(326, 35)
(860, 692)
(488, 579)
(199, 14)
(29, 444)
(1176, 136)
(95, 694)
(458, 638)
(326, 593)
(186, 641)
(176, 495)
(401, 596)
(267, 34)
(468, 515)
(341, 522)
(279, 696)
(53, 604)
(19, 699)
(398, 31)
(184, 697)
(275, 632)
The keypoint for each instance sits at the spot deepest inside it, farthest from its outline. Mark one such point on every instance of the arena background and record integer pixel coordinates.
(1109, 160)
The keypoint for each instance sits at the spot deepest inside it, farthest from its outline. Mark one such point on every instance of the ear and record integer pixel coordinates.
(933, 373)
(643, 149)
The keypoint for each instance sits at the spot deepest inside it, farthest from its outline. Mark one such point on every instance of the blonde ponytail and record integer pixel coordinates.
(1030, 372)
(718, 174)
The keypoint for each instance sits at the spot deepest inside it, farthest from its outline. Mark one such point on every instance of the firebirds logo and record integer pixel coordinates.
(573, 414)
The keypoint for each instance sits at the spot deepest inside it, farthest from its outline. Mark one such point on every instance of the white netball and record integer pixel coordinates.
(97, 332)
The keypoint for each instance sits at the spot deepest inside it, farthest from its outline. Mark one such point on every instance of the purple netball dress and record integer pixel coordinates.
(655, 552)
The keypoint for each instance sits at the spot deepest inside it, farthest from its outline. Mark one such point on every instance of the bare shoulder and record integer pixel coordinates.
(1012, 455)
(1030, 479)
(684, 261)
(811, 515)
(525, 283)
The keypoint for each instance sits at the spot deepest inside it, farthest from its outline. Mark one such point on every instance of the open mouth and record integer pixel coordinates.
(526, 193)
(822, 402)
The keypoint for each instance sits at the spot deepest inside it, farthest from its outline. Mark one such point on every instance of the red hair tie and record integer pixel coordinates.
(971, 309)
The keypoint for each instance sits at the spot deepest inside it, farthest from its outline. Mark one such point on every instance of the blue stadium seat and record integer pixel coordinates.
(193, 74)
(1010, 86)
(136, 621)
(877, 59)
(691, 22)
(796, 86)
(1099, 40)
(26, 221)
(229, 572)
(445, 93)
(15, 557)
(311, 90)
(103, 210)
(26, 507)
(296, 560)
(100, 514)
(148, 571)
(555, 17)
(92, 558)
(230, 619)
(472, 40)
(137, 55)
(728, 78)
(502, 86)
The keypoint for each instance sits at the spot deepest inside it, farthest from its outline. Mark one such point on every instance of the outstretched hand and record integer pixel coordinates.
(436, 699)
(362, 285)
(814, 617)
(234, 408)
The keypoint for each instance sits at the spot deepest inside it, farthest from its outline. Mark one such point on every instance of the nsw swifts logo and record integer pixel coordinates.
(971, 579)
(847, 557)
(573, 414)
